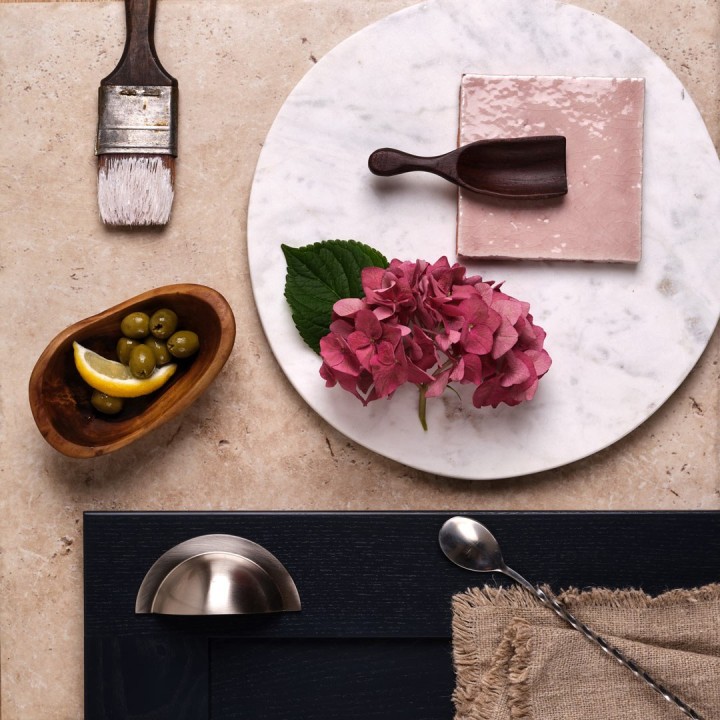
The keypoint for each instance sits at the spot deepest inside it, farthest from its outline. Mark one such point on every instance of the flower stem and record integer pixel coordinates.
(422, 402)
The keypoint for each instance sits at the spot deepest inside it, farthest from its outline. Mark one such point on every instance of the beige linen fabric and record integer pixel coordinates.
(516, 660)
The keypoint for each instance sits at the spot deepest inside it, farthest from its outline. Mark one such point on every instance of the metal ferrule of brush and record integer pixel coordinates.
(137, 120)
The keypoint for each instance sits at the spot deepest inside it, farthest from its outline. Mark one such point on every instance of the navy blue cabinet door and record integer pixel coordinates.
(373, 638)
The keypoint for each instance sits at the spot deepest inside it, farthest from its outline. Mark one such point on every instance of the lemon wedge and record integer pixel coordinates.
(114, 378)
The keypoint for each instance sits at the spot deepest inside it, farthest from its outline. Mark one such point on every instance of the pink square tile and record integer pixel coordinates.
(599, 219)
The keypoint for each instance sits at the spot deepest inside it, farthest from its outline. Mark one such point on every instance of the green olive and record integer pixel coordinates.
(183, 344)
(124, 348)
(135, 325)
(105, 404)
(142, 361)
(160, 351)
(163, 323)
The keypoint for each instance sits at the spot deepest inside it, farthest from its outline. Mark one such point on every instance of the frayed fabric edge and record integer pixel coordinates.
(638, 599)
(516, 597)
(506, 682)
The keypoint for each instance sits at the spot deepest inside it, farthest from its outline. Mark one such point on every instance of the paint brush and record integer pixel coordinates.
(137, 129)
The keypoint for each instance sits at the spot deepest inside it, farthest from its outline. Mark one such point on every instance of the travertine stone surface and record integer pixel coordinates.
(250, 442)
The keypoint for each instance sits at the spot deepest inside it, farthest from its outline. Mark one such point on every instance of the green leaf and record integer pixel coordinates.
(318, 276)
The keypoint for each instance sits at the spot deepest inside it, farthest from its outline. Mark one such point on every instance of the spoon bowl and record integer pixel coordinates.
(470, 545)
(526, 168)
(60, 399)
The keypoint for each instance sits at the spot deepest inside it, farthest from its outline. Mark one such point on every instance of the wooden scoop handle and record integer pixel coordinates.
(139, 64)
(388, 161)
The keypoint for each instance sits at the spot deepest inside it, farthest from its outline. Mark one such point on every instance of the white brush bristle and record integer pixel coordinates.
(135, 190)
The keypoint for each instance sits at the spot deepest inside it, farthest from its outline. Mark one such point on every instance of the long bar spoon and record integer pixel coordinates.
(472, 546)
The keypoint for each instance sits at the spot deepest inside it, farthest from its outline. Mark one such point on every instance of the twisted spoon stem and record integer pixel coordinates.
(569, 618)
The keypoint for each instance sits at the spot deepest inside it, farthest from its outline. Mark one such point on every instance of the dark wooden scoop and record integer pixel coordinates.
(526, 167)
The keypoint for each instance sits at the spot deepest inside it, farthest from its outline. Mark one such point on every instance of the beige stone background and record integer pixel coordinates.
(250, 442)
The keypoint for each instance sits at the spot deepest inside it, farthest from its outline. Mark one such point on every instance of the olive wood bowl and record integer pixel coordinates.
(60, 398)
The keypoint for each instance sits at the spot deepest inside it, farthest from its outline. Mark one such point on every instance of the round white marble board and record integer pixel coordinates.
(622, 338)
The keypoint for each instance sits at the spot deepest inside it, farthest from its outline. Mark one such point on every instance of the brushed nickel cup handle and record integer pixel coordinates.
(217, 575)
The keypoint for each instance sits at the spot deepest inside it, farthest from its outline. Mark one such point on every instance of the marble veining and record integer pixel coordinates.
(620, 345)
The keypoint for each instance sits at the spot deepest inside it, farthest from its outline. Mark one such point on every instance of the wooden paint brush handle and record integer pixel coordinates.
(139, 64)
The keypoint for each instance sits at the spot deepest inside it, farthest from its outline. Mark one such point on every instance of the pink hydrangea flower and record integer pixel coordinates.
(430, 325)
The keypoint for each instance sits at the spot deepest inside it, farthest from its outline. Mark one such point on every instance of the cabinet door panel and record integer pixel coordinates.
(146, 678)
(353, 679)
